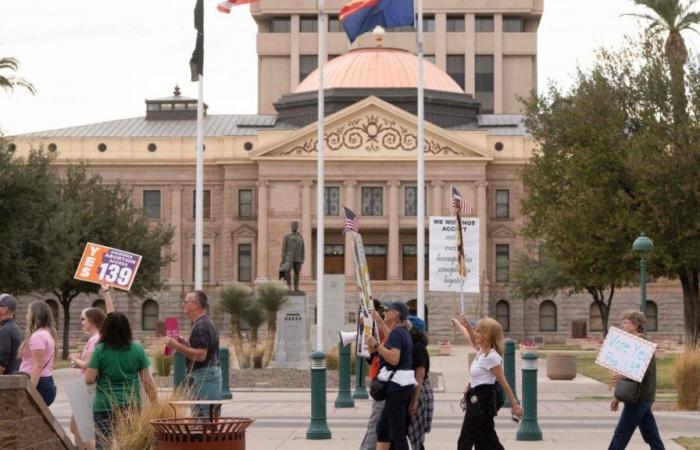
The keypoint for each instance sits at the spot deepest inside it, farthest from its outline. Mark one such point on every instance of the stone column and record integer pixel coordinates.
(294, 52)
(261, 252)
(350, 203)
(306, 227)
(436, 206)
(227, 253)
(441, 40)
(470, 54)
(498, 64)
(393, 249)
(176, 246)
(483, 251)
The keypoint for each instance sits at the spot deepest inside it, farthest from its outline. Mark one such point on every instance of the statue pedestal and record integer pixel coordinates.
(292, 342)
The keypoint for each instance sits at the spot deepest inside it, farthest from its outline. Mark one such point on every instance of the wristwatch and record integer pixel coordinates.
(376, 347)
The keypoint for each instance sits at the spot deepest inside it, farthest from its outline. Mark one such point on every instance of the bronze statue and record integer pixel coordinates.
(292, 256)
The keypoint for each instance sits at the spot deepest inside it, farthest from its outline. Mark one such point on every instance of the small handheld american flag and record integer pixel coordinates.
(351, 221)
(459, 202)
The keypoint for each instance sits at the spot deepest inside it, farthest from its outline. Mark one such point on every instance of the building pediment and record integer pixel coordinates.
(502, 233)
(244, 231)
(371, 129)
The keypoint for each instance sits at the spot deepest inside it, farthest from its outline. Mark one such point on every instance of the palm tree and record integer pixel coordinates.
(673, 17)
(235, 299)
(255, 316)
(272, 297)
(9, 82)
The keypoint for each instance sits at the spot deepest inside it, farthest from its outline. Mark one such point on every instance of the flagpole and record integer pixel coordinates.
(320, 186)
(199, 179)
(420, 225)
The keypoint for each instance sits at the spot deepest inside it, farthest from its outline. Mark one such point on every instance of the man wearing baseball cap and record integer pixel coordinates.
(10, 335)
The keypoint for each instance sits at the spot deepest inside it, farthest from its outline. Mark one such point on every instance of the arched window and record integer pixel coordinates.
(594, 318)
(149, 315)
(548, 316)
(652, 316)
(99, 303)
(54, 309)
(503, 314)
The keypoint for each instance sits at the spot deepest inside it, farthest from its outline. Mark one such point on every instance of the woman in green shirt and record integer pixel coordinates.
(118, 366)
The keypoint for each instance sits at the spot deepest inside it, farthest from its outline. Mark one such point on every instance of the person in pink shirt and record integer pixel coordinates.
(39, 350)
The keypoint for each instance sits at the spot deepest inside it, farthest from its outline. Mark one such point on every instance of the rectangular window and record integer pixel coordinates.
(206, 263)
(308, 24)
(455, 68)
(334, 25)
(280, 25)
(245, 262)
(455, 24)
(307, 64)
(376, 261)
(513, 25)
(409, 262)
(372, 201)
(410, 200)
(331, 201)
(502, 204)
(207, 204)
(502, 263)
(484, 82)
(428, 24)
(151, 204)
(484, 24)
(245, 203)
(334, 259)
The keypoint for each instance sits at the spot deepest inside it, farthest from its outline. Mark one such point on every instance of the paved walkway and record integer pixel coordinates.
(282, 417)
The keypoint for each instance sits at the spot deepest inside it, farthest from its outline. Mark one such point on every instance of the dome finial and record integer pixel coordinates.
(176, 92)
(378, 33)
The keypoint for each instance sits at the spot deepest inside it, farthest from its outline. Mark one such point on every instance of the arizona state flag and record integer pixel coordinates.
(360, 16)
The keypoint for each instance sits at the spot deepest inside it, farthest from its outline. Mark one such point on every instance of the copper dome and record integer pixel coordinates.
(378, 68)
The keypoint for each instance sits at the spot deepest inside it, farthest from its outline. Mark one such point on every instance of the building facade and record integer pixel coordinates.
(260, 170)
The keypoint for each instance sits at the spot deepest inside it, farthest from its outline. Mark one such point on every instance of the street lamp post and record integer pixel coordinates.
(643, 245)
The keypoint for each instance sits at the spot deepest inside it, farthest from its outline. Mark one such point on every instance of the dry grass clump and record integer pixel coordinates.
(686, 375)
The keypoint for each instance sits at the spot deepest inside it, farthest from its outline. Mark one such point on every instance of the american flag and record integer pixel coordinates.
(459, 202)
(351, 221)
(225, 6)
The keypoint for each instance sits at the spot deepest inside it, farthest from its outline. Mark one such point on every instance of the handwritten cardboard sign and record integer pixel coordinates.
(105, 265)
(443, 267)
(626, 354)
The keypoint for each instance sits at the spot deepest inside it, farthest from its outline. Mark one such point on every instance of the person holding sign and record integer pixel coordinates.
(478, 428)
(637, 414)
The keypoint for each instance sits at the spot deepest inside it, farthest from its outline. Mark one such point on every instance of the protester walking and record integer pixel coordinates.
(369, 442)
(478, 428)
(637, 413)
(420, 409)
(119, 367)
(91, 320)
(201, 351)
(397, 372)
(10, 336)
(39, 350)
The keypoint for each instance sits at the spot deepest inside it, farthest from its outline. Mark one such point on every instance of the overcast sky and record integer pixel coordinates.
(97, 60)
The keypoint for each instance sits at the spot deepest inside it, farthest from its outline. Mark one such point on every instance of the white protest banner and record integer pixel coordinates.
(626, 354)
(362, 277)
(444, 269)
(80, 397)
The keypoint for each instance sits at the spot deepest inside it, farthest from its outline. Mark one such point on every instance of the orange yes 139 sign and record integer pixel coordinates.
(106, 265)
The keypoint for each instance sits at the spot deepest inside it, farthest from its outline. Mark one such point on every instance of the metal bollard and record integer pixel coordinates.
(224, 355)
(360, 390)
(318, 428)
(509, 368)
(344, 399)
(529, 429)
(179, 369)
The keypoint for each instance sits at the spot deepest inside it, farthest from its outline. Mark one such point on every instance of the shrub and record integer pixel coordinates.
(332, 359)
(686, 373)
(163, 364)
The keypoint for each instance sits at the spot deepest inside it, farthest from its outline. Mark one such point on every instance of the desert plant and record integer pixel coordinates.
(333, 359)
(686, 373)
(272, 297)
(255, 316)
(162, 363)
(235, 299)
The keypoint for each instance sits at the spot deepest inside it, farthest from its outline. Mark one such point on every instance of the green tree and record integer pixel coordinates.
(8, 78)
(90, 211)
(254, 315)
(271, 297)
(235, 299)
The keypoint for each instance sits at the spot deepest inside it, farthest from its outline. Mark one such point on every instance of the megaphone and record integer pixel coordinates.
(347, 337)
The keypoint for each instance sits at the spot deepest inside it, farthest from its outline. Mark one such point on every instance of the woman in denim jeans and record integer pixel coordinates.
(637, 414)
(39, 350)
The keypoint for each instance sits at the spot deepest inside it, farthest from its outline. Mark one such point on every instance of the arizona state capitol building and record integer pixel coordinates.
(260, 169)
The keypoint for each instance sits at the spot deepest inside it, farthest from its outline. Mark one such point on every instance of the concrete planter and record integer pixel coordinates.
(528, 348)
(445, 348)
(561, 366)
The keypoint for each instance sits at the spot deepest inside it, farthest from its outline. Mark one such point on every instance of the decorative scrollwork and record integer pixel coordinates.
(371, 133)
